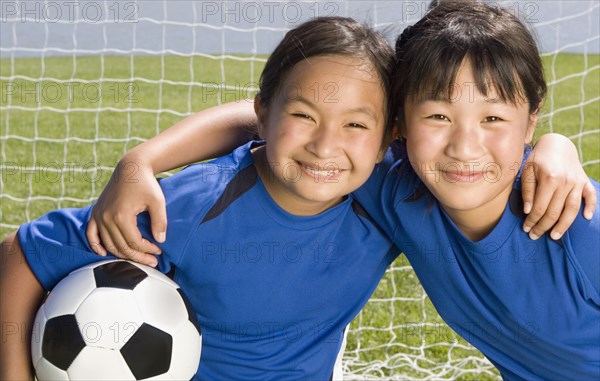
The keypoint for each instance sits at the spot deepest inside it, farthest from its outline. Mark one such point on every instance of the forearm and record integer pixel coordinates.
(207, 134)
(21, 295)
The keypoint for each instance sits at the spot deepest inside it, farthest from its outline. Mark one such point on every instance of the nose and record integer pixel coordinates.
(326, 142)
(465, 142)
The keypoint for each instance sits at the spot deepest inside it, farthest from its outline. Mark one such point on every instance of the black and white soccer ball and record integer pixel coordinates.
(116, 320)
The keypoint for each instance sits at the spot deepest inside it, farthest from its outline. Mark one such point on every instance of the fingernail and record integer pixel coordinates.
(555, 236)
(160, 237)
(527, 207)
(588, 215)
(526, 228)
(533, 236)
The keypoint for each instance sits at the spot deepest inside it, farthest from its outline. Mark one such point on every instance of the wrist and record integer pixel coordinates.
(134, 162)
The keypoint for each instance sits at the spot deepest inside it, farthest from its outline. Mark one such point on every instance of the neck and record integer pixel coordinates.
(477, 223)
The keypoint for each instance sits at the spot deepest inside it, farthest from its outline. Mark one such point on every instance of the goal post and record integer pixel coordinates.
(84, 81)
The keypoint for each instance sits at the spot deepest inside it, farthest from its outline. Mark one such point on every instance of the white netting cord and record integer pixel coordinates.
(398, 335)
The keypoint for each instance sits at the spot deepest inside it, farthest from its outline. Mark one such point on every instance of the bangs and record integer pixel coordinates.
(506, 63)
(433, 74)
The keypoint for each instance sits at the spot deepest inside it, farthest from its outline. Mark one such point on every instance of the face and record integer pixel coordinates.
(469, 150)
(324, 131)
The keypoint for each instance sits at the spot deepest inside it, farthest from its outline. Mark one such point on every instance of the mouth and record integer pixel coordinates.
(328, 172)
(462, 176)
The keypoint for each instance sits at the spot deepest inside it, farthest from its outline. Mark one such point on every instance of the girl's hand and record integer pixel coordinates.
(131, 190)
(553, 184)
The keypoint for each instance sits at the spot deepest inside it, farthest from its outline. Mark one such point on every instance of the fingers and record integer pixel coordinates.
(121, 239)
(560, 213)
(126, 242)
(569, 213)
(528, 188)
(158, 218)
(540, 206)
(93, 238)
(589, 194)
(549, 213)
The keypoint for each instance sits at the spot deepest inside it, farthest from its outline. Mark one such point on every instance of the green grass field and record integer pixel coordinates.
(60, 140)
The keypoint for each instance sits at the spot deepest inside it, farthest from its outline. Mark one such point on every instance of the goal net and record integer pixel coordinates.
(84, 81)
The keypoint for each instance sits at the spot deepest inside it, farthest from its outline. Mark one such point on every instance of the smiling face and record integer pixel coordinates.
(324, 131)
(468, 149)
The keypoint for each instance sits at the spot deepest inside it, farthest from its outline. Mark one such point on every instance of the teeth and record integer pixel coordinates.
(327, 173)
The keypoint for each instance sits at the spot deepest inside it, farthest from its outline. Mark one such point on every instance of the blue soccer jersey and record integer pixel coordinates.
(273, 292)
(532, 307)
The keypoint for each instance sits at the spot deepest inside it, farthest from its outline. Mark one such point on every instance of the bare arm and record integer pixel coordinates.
(194, 138)
(21, 295)
(133, 189)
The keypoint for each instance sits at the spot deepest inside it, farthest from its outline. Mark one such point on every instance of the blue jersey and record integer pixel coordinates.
(273, 292)
(531, 307)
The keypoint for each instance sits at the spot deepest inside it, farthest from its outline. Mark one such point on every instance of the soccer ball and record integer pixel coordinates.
(116, 320)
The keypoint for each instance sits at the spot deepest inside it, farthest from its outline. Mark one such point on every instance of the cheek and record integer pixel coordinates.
(423, 144)
(506, 148)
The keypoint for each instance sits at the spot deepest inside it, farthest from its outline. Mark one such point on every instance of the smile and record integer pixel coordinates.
(315, 172)
(460, 177)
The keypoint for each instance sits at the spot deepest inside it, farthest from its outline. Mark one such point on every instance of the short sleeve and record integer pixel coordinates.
(584, 238)
(55, 244)
(369, 196)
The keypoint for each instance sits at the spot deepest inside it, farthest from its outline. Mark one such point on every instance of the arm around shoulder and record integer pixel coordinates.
(21, 295)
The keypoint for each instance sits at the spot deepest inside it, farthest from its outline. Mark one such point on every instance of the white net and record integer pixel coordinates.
(84, 81)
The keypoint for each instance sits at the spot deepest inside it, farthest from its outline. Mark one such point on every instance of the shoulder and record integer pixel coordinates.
(55, 244)
(196, 188)
(217, 172)
(64, 226)
(583, 238)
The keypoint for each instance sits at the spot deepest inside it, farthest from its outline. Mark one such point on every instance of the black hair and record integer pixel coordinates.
(501, 50)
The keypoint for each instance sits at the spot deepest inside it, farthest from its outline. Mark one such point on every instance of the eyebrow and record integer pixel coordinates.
(429, 98)
(356, 110)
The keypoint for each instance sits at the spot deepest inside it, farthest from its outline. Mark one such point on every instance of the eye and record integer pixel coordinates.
(439, 117)
(492, 119)
(302, 116)
(357, 125)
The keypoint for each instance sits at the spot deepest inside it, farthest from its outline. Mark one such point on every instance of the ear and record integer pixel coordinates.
(261, 115)
(533, 117)
(387, 140)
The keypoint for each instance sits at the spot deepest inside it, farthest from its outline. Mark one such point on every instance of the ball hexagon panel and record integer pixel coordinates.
(95, 364)
(187, 342)
(68, 294)
(119, 274)
(62, 341)
(169, 313)
(148, 352)
(49, 371)
(108, 317)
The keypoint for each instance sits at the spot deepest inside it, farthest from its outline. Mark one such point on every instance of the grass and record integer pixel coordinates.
(58, 149)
